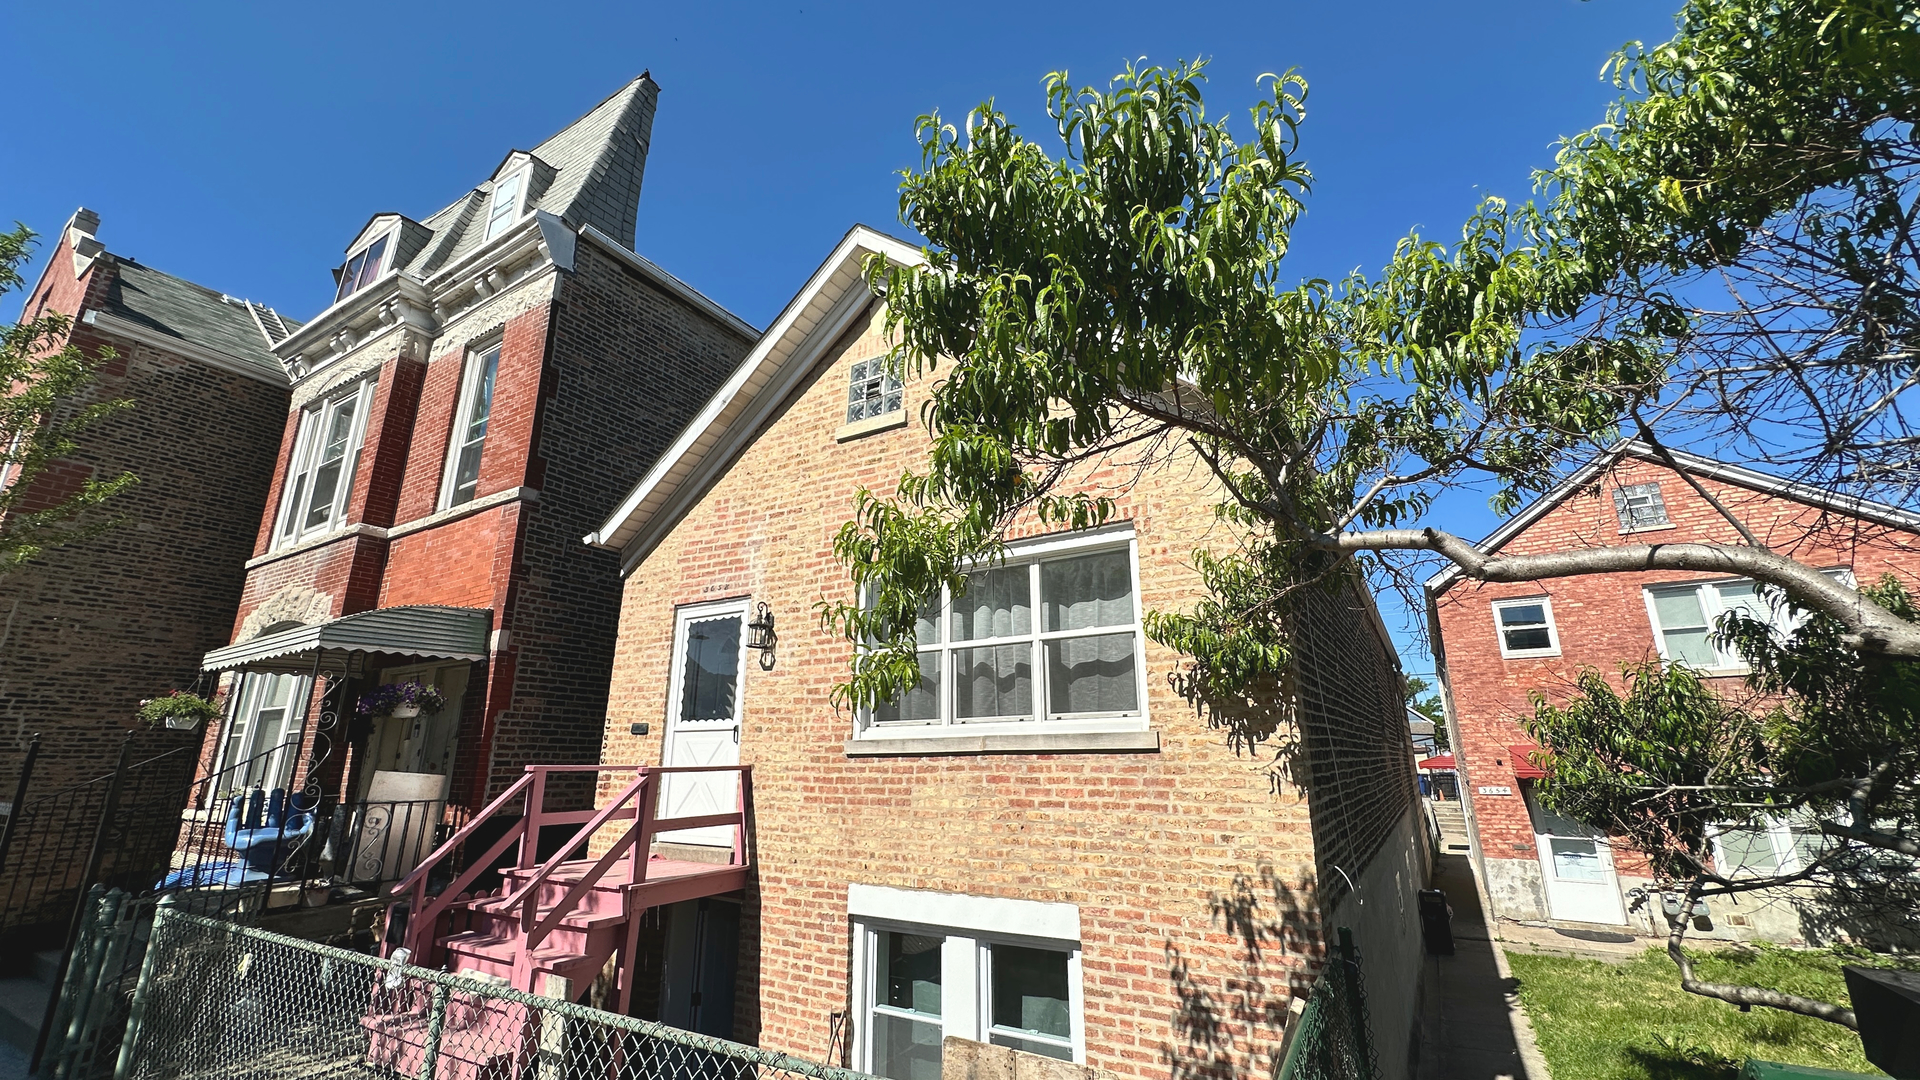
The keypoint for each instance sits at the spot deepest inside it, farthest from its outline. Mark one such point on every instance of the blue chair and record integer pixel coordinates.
(260, 828)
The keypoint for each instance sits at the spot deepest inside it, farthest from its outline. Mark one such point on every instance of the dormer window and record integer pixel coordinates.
(505, 208)
(363, 268)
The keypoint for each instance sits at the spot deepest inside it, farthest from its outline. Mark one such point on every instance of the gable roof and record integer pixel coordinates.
(1705, 467)
(591, 170)
(812, 321)
(177, 309)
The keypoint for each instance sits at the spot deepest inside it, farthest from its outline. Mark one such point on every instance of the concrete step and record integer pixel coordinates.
(23, 1004)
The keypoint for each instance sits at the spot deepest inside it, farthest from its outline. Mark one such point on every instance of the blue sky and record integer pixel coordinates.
(243, 146)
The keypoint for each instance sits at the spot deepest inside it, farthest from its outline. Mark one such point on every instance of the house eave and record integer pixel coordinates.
(114, 326)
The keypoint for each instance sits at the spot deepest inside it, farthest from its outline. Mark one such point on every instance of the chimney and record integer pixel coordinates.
(79, 235)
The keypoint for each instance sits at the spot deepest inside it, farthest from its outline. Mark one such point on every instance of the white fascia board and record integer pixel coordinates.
(674, 285)
(115, 326)
(831, 297)
(1533, 512)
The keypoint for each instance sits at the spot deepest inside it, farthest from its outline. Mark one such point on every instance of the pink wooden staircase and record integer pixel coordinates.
(568, 915)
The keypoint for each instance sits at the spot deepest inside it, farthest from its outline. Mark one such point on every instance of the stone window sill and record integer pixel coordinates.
(887, 422)
(1039, 742)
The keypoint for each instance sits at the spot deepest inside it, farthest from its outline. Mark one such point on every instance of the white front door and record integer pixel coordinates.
(703, 718)
(1581, 886)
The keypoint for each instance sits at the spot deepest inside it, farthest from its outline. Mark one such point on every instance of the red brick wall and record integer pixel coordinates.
(1602, 620)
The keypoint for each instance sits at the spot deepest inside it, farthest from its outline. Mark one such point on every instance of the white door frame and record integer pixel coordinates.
(683, 617)
(1605, 892)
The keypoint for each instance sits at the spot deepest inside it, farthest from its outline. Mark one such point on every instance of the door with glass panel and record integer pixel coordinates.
(703, 719)
(260, 743)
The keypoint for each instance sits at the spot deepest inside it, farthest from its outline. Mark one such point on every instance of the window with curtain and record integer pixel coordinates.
(1685, 617)
(1048, 637)
(256, 749)
(462, 481)
(325, 455)
(362, 269)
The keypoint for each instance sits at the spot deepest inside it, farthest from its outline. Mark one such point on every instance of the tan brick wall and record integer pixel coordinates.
(1176, 859)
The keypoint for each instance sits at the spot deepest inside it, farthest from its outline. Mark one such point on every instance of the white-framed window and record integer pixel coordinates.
(260, 744)
(1640, 506)
(929, 965)
(872, 390)
(1770, 847)
(462, 477)
(504, 209)
(363, 267)
(325, 455)
(1525, 627)
(1051, 635)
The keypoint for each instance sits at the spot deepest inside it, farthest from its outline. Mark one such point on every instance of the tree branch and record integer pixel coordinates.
(1870, 627)
(1743, 995)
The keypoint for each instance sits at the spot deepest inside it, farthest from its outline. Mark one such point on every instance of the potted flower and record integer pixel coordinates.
(402, 700)
(179, 710)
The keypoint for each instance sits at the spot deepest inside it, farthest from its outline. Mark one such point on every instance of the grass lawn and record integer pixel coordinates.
(1601, 1021)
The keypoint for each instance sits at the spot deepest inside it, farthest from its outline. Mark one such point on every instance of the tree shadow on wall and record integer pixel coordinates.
(1236, 1025)
(1260, 722)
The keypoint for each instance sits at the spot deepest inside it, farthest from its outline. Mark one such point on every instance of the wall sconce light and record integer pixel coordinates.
(760, 635)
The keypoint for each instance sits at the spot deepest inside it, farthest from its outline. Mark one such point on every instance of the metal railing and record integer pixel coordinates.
(217, 999)
(1333, 1039)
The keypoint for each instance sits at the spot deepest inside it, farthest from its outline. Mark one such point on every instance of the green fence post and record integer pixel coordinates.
(436, 1024)
(1356, 1005)
(130, 1042)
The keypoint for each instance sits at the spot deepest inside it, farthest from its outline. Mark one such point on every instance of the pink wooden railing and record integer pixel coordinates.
(642, 793)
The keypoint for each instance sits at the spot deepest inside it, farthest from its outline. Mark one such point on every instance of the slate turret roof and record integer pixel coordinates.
(587, 174)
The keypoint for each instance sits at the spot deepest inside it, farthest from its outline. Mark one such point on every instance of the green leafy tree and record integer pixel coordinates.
(1726, 261)
(39, 420)
(1829, 742)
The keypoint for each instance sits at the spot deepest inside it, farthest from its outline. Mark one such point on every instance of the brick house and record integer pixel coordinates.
(76, 656)
(1497, 644)
(1087, 869)
(487, 384)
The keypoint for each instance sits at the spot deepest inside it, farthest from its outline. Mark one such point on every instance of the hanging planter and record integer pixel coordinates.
(402, 700)
(178, 711)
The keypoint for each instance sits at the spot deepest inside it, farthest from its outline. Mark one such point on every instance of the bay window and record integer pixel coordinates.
(1051, 635)
(462, 478)
(325, 455)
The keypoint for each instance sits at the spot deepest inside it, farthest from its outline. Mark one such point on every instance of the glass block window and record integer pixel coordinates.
(1639, 506)
(872, 391)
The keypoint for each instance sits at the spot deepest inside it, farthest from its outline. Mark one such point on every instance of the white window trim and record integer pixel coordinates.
(469, 388)
(304, 447)
(520, 178)
(970, 924)
(1029, 552)
(1500, 633)
(1786, 858)
(1708, 591)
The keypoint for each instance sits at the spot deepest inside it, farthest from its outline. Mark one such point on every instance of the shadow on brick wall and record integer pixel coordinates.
(1224, 1027)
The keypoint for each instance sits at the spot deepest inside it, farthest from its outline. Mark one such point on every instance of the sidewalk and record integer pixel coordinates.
(1471, 1025)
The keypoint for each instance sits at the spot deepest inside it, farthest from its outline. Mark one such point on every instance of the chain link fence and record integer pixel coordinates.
(220, 1000)
(1333, 1038)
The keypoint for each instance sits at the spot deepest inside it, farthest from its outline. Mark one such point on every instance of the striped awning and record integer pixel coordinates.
(428, 633)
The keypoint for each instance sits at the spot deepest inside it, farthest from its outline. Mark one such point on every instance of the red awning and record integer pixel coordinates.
(1437, 761)
(1523, 763)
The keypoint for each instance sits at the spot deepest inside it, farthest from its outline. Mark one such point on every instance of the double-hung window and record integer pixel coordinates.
(1003, 976)
(1050, 635)
(462, 479)
(362, 268)
(1770, 847)
(1686, 617)
(504, 210)
(1525, 627)
(320, 476)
